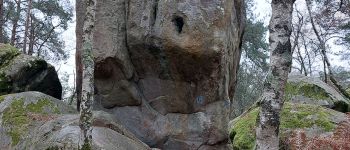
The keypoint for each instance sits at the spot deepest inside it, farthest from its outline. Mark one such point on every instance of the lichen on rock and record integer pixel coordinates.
(16, 117)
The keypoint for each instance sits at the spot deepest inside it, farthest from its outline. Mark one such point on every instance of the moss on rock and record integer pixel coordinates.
(308, 90)
(2, 98)
(293, 116)
(15, 117)
(7, 53)
(243, 131)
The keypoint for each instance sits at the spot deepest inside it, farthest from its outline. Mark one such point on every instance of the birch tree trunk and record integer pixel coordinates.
(88, 74)
(26, 28)
(271, 102)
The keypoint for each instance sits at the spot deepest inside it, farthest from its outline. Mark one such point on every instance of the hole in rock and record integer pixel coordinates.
(179, 23)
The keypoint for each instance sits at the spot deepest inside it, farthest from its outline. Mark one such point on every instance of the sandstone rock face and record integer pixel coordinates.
(19, 73)
(308, 90)
(167, 69)
(33, 120)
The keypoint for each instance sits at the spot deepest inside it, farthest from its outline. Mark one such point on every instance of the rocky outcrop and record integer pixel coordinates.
(167, 69)
(313, 117)
(302, 126)
(19, 73)
(308, 90)
(32, 120)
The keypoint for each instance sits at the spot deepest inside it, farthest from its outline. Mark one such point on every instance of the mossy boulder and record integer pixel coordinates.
(308, 90)
(315, 120)
(33, 120)
(20, 72)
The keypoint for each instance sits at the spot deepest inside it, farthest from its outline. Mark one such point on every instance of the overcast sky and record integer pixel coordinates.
(69, 39)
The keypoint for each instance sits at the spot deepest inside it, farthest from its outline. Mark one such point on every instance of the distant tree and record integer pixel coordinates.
(16, 17)
(253, 63)
(35, 26)
(254, 43)
(328, 31)
(2, 36)
(26, 27)
(88, 74)
(47, 42)
(271, 102)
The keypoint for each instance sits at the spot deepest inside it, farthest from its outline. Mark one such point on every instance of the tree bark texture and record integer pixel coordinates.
(26, 28)
(15, 22)
(88, 73)
(271, 102)
(80, 9)
(2, 21)
(31, 36)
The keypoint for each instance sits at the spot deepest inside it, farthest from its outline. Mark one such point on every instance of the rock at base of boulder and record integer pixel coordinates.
(33, 120)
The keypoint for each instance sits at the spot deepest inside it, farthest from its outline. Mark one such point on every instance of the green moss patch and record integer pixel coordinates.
(305, 89)
(305, 116)
(15, 117)
(243, 132)
(293, 116)
(7, 53)
(2, 98)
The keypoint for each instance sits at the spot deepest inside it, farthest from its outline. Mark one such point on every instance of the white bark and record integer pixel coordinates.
(280, 62)
(88, 74)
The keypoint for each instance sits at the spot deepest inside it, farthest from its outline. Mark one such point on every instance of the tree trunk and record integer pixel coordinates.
(308, 55)
(26, 27)
(2, 22)
(325, 70)
(302, 63)
(80, 9)
(15, 23)
(31, 36)
(271, 101)
(88, 74)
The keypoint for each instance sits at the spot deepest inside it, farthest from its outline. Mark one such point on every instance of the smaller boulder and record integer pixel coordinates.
(33, 120)
(20, 72)
(312, 121)
(308, 90)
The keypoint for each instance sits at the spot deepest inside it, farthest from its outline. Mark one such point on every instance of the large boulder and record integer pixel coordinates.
(33, 120)
(309, 90)
(167, 68)
(20, 72)
(303, 126)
